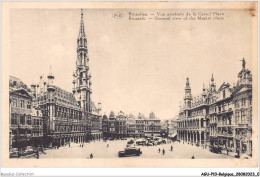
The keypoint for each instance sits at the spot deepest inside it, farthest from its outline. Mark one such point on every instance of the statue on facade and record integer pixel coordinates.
(243, 63)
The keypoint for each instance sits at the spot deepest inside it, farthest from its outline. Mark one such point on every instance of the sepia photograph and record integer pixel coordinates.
(107, 82)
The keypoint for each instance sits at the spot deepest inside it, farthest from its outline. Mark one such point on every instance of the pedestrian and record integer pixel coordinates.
(238, 152)
(193, 157)
(82, 144)
(227, 150)
(107, 145)
(91, 156)
(159, 150)
(37, 153)
(171, 148)
(163, 151)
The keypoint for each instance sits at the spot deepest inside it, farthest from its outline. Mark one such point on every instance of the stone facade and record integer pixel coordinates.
(222, 117)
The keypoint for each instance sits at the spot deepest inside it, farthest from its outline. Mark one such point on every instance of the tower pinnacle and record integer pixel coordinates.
(212, 77)
(243, 63)
(81, 29)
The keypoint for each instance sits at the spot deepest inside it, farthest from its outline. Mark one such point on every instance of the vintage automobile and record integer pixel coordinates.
(157, 142)
(130, 142)
(215, 148)
(149, 144)
(130, 151)
(140, 142)
(163, 141)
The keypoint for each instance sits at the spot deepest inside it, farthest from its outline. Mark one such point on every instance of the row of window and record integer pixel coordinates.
(24, 120)
(219, 108)
(27, 132)
(21, 103)
(70, 128)
(243, 101)
(196, 124)
(198, 112)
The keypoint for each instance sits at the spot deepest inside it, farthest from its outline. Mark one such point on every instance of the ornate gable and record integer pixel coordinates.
(21, 92)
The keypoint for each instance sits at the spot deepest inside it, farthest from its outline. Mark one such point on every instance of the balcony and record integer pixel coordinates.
(242, 125)
(225, 134)
(22, 126)
(225, 125)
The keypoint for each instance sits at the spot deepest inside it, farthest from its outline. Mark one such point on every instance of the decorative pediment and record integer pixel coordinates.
(223, 86)
(242, 89)
(21, 92)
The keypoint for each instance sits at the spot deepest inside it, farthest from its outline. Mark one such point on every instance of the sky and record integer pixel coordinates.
(136, 66)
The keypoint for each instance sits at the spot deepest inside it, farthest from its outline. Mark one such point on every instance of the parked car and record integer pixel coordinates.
(157, 142)
(140, 142)
(163, 141)
(215, 148)
(149, 144)
(130, 151)
(130, 142)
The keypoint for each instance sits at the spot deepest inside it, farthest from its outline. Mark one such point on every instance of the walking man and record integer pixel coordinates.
(159, 150)
(163, 151)
(171, 148)
(227, 150)
(37, 153)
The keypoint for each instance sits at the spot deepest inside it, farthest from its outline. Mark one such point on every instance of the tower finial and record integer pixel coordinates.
(243, 63)
(50, 71)
(187, 81)
(50, 75)
(81, 30)
(212, 77)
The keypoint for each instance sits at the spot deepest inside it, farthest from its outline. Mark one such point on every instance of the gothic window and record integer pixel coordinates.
(15, 102)
(22, 103)
(29, 120)
(237, 117)
(14, 119)
(243, 116)
(243, 101)
(22, 119)
(28, 105)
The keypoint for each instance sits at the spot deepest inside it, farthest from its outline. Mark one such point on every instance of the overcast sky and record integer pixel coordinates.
(136, 66)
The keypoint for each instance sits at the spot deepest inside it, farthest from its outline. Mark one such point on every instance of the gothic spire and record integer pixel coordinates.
(212, 78)
(187, 83)
(81, 30)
